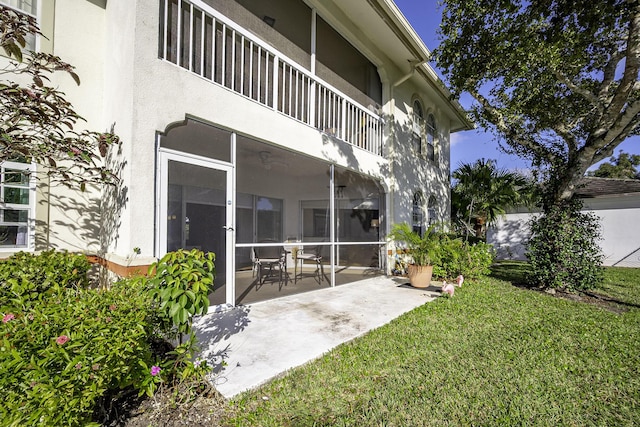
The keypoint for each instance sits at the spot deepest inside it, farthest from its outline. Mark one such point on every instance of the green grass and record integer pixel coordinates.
(618, 284)
(492, 355)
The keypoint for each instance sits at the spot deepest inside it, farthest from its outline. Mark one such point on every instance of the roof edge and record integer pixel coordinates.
(399, 24)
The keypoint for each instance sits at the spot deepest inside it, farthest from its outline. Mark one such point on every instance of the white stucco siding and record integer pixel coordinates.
(412, 172)
(619, 218)
(163, 93)
(510, 235)
(115, 50)
(78, 38)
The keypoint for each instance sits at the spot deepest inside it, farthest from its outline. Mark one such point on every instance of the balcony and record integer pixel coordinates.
(198, 38)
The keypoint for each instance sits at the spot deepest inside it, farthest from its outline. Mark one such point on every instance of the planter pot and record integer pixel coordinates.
(420, 275)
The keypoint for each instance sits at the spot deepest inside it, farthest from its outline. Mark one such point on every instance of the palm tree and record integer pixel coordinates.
(482, 193)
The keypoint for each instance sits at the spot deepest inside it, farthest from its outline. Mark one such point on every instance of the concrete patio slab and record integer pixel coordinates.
(261, 341)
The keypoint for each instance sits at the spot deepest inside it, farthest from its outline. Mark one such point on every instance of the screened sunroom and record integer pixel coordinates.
(279, 222)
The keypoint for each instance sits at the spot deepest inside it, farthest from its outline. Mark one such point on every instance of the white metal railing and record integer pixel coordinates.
(198, 38)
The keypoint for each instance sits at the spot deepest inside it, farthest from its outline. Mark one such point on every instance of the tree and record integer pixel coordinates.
(482, 193)
(625, 166)
(37, 121)
(556, 79)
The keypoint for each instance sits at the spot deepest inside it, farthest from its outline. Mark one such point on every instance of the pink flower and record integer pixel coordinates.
(155, 370)
(95, 367)
(8, 317)
(113, 307)
(62, 339)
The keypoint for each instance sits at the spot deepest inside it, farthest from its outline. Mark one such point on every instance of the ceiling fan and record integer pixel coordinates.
(267, 160)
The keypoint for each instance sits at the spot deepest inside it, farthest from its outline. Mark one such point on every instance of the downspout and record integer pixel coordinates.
(414, 64)
(391, 202)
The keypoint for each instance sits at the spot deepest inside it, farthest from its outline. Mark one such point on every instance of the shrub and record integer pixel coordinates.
(28, 277)
(181, 284)
(67, 348)
(180, 288)
(447, 257)
(62, 355)
(453, 256)
(563, 250)
(477, 260)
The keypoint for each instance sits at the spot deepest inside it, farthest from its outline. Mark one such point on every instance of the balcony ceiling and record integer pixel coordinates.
(392, 39)
(381, 22)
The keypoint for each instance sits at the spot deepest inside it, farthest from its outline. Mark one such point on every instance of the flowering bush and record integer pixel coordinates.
(63, 353)
(61, 356)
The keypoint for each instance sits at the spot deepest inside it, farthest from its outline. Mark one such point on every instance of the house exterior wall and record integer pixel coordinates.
(618, 216)
(412, 172)
(64, 218)
(73, 216)
(114, 47)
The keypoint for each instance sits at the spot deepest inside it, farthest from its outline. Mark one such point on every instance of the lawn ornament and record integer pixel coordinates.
(448, 288)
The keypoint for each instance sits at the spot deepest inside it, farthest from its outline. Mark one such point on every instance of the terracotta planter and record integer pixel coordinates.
(420, 275)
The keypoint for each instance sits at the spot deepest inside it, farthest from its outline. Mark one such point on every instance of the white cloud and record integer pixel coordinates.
(456, 138)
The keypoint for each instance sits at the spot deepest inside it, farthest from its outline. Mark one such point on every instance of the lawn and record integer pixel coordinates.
(494, 354)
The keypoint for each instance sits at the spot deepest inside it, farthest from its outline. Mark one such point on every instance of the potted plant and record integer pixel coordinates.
(419, 247)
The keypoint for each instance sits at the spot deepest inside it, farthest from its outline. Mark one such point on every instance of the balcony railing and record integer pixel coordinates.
(198, 38)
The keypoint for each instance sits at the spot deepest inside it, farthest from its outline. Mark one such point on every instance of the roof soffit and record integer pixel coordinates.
(392, 41)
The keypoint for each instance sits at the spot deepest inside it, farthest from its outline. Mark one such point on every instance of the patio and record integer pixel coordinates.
(260, 341)
(249, 290)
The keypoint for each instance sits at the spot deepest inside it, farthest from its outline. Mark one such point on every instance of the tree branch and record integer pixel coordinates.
(609, 76)
(618, 133)
(631, 68)
(564, 132)
(498, 119)
(588, 95)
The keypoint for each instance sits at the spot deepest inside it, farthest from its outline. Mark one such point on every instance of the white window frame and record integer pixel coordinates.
(431, 136)
(30, 168)
(417, 213)
(418, 126)
(432, 205)
(36, 40)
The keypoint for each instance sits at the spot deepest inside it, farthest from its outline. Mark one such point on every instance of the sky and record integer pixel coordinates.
(468, 146)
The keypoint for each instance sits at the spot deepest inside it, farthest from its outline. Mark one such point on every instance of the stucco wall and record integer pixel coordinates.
(412, 172)
(620, 242)
(69, 219)
(115, 50)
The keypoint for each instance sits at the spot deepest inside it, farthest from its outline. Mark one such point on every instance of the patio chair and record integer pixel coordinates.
(268, 261)
(312, 255)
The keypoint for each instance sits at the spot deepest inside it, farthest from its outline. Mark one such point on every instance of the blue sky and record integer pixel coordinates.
(466, 147)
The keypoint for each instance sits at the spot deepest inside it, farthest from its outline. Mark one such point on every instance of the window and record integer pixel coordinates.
(28, 7)
(431, 210)
(431, 137)
(417, 213)
(17, 200)
(418, 124)
(269, 219)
